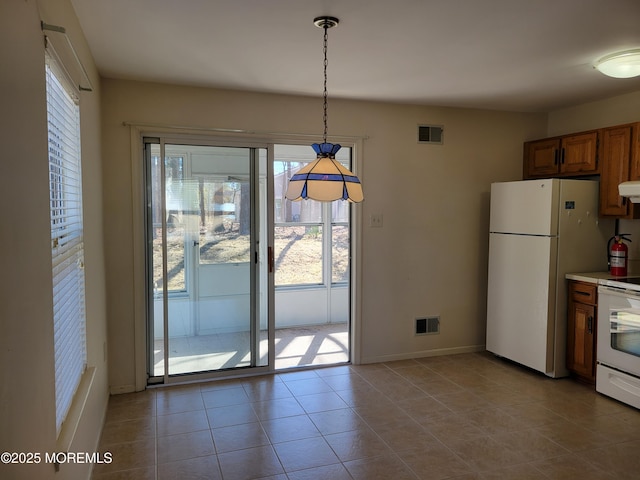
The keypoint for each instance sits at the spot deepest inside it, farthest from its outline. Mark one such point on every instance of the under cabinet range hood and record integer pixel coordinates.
(630, 190)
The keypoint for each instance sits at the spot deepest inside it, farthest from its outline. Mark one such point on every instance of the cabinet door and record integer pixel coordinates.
(541, 158)
(616, 158)
(579, 153)
(580, 336)
(634, 173)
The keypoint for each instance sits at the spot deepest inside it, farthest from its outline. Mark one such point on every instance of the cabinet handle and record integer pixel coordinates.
(578, 292)
(562, 157)
(590, 325)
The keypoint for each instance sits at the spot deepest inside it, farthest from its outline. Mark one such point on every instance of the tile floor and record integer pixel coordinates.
(469, 416)
(295, 347)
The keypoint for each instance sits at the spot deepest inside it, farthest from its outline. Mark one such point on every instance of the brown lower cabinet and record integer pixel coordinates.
(581, 330)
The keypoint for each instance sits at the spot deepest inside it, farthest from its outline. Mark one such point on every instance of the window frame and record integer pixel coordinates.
(326, 225)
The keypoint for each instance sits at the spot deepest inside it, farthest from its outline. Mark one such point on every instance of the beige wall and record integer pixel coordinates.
(430, 257)
(27, 394)
(604, 113)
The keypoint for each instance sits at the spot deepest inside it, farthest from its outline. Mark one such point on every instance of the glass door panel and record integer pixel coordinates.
(312, 269)
(204, 231)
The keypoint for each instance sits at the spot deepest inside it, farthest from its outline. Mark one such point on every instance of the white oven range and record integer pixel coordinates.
(618, 340)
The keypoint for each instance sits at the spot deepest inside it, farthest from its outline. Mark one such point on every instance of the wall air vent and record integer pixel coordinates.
(430, 134)
(427, 325)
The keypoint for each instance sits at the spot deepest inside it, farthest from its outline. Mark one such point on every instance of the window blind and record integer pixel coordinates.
(67, 247)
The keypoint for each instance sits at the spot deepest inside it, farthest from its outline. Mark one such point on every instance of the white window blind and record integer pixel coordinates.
(67, 247)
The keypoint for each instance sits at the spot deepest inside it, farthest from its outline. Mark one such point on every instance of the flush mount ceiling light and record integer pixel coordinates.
(624, 64)
(325, 179)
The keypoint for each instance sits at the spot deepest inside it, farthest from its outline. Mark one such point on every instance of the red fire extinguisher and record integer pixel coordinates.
(619, 255)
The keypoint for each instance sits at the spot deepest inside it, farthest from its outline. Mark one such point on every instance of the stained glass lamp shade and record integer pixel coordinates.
(325, 179)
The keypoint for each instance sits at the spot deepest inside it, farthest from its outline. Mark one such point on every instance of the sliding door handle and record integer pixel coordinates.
(271, 260)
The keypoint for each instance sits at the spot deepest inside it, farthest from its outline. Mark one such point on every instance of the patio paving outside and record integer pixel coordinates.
(307, 345)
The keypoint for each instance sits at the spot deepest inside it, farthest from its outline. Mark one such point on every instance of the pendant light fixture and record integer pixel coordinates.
(325, 179)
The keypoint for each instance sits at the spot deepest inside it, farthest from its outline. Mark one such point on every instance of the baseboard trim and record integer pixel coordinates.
(117, 390)
(438, 352)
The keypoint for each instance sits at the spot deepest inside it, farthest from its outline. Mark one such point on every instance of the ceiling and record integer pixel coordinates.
(514, 55)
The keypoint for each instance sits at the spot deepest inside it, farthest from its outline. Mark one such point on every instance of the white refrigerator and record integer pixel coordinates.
(540, 230)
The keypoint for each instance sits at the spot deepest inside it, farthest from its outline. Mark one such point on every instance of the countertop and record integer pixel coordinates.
(593, 277)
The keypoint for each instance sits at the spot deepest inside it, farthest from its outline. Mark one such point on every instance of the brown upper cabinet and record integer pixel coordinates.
(569, 155)
(616, 168)
(613, 153)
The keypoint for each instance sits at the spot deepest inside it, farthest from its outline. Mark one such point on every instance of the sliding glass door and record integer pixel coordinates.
(312, 263)
(238, 277)
(206, 256)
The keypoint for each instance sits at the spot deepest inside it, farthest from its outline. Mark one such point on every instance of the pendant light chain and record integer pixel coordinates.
(325, 95)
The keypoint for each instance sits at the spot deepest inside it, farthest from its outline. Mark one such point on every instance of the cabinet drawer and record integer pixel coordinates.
(583, 292)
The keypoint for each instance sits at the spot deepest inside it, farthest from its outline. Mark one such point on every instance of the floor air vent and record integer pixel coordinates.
(430, 134)
(427, 325)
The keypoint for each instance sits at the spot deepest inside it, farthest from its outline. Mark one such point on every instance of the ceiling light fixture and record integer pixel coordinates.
(325, 179)
(624, 64)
